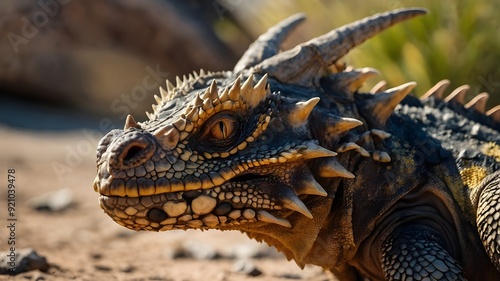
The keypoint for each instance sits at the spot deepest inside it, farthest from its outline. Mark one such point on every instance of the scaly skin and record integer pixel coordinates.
(286, 149)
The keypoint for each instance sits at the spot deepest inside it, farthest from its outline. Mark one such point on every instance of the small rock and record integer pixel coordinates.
(102, 267)
(251, 250)
(96, 256)
(200, 251)
(246, 267)
(127, 269)
(25, 260)
(290, 276)
(192, 249)
(53, 202)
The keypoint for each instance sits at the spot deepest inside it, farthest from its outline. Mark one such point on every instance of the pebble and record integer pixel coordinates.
(246, 267)
(26, 260)
(53, 201)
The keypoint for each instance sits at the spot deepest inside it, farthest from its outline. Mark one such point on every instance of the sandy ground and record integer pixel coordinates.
(82, 243)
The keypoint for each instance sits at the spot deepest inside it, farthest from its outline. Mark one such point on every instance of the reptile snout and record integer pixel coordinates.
(130, 150)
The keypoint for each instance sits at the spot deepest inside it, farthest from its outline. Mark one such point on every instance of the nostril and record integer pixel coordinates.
(132, 152)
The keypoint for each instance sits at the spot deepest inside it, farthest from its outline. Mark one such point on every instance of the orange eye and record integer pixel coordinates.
(223, 129)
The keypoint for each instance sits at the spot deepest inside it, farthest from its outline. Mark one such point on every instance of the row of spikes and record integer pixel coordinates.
(477, 103)
(170, 91)
(246, 92)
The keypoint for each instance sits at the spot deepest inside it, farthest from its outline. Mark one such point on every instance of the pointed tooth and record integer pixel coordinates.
(380, 107)
(437, 90)
(379, 87)
(301, 111)
(191, 77)
(247, 89)
(170, 86)
(458, 95)
(234, 92)
(150, 115)
(337, 125)
(331, 168)
(130, 123)
(155, 107)
(295, 204)
(478, 102)
(202, 72)
(316, 151)
(494, 113)
(195, 74)
(267, 217)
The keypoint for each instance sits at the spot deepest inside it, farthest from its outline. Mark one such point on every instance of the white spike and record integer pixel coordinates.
(478, 102)
(379, 87)
(437, 90)
(301, 111)
(178, 82)
(331, 168)
(130, 123)
(164, 94)
(295, 204)
(316, 151)
(234, 92)
(310, 186)
(247, 88)
(213, 91)
(157, 99)
(170, 86)
(267, 217)
(380, 133)
(458, 95)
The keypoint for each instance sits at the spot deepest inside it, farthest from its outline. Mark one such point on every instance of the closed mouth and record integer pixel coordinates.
(223, 206)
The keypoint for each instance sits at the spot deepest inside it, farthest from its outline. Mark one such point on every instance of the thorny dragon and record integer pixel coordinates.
(287, 149)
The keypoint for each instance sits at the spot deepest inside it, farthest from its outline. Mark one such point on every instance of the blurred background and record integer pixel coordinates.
(71, 70)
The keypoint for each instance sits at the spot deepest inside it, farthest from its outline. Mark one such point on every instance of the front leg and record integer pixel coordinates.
(488, 213)
(416, 252)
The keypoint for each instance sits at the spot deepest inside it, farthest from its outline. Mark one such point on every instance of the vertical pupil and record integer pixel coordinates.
(222, 129)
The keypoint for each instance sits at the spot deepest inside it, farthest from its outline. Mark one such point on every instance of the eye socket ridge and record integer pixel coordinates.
(222, 132)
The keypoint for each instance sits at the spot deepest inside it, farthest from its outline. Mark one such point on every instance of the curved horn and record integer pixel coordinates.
(301, 64)
(268, 44)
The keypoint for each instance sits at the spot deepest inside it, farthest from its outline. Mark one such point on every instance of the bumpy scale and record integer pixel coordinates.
(288, 149)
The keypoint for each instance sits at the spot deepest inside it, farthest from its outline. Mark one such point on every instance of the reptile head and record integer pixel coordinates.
(211, 157)
(237, 150)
